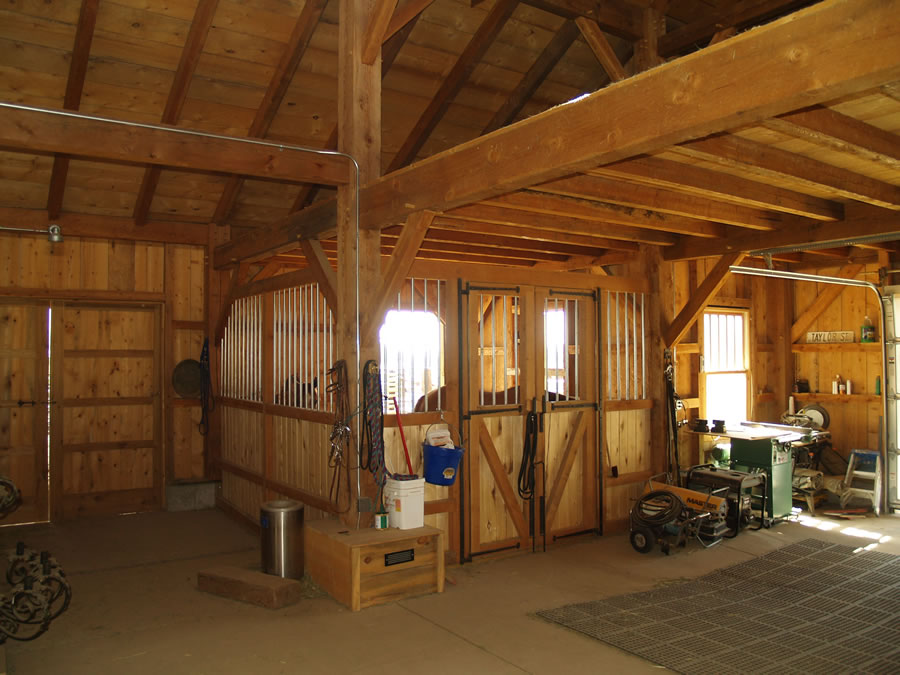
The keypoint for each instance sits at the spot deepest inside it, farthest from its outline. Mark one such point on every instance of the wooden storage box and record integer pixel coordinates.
(366, 567)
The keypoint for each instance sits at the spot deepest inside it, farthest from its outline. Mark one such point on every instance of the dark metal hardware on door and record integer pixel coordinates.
(33, 403)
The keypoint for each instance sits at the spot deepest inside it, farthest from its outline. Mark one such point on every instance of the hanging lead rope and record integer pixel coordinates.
(529, 450)
(674, 404)
(340, 434)
(207, 402)
(374, 413)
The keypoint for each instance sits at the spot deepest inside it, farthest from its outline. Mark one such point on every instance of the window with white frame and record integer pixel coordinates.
(725, 370)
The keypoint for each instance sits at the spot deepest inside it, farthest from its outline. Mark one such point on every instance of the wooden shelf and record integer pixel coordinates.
(838, 347)
(844, 398)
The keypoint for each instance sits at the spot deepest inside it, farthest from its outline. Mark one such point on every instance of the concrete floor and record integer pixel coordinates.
(135, 607)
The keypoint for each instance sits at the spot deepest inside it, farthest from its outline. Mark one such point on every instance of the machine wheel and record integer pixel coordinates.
(643, 539)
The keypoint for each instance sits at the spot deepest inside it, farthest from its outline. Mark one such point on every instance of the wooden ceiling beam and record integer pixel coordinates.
(187, 64)
(617, 18)
(608, 213)
(736, 15)
(854, 46)
(554, 223)
(437, 235)
(482, 39)
(553, 52)
(278, 85)
(317, 220)
(90, 226)
(773, 163)
(830, 129)
(861, 222)
(376, 30)
(81, 49)
(722, 186)
(41, 130)
(405, 12)
(606, 55)
(538, 277)
(533, 236)
(663, 201)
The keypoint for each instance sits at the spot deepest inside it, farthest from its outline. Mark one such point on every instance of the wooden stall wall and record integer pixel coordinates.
(276, 444)
(275, 429)
(124, 313)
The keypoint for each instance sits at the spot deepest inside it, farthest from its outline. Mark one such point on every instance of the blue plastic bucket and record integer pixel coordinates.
(441, 464)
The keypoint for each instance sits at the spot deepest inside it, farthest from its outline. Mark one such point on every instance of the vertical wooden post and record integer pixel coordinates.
(359, 252)
(660, 314)
(217, 284)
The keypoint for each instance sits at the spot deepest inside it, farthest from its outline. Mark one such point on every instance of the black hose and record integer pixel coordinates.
(529, 450)
(657, 508)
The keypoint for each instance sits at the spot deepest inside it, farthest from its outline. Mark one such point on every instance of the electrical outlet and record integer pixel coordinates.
(364, 504)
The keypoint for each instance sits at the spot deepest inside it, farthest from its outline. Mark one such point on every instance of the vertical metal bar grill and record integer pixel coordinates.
(626, 342)
(413, 373)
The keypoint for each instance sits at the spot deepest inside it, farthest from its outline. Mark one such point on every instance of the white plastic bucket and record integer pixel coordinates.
(405, 501)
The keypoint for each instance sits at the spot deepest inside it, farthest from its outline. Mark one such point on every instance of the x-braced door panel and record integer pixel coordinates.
(532, 401)
(568, 411)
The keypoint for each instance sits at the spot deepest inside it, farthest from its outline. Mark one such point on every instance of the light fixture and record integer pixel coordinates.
(53, 232)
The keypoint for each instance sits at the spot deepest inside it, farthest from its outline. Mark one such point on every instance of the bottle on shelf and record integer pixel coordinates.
(836, 385)
(867, 330)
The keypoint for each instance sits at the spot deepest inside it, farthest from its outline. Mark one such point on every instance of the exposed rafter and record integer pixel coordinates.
(190, 56)
(519, 96)
(278, 86)
(453, 82)
(84, 35)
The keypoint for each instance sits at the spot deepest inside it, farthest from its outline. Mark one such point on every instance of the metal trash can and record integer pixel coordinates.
(281, 528)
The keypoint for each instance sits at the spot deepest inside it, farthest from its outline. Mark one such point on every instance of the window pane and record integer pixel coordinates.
(726, 397)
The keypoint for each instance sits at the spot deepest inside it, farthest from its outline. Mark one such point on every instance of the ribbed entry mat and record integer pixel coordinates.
(811, 607)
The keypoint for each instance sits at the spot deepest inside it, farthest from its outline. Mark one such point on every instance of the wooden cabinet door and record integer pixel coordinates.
(24, 390)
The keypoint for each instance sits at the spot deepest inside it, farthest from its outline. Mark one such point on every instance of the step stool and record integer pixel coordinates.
(863, 478)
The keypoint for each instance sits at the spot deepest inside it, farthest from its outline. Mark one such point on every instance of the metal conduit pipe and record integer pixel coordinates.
(251, 141)
(822, 279)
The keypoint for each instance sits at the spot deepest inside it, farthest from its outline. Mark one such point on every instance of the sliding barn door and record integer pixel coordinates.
(24, 407)
(111, 417)
(531, 371)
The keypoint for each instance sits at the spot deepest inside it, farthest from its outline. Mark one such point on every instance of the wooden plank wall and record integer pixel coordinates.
(169, 276)
(854, 419)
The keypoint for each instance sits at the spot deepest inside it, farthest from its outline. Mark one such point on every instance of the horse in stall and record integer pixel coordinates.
(429, 401)
(298, 393)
